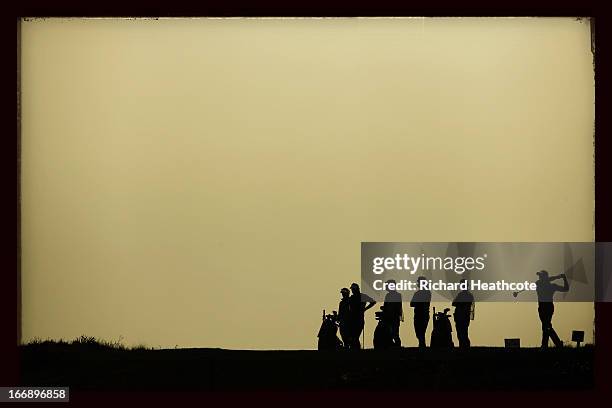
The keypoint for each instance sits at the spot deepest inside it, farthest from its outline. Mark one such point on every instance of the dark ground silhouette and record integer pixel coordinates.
(106, 368)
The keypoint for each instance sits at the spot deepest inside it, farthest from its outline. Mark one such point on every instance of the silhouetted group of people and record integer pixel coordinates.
(463, 304)
(351, 315)
(354, 304)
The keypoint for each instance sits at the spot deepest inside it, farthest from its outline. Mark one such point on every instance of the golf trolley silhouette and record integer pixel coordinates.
(382, 333)
(328, 333)
(441, 334)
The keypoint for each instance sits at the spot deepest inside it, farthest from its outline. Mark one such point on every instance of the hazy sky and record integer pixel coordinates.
(207, 182)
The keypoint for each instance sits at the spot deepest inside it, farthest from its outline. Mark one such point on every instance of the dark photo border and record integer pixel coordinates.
(9, 278)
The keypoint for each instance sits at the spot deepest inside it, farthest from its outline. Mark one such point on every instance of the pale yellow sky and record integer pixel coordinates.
(207, 182)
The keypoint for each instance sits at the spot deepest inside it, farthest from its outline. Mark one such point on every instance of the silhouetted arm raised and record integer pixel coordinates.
(565, 286)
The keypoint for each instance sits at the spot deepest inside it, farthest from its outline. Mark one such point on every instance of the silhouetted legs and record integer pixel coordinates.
(546, 311)
(462, 327)
(357, 328)
(395, 338)
(420, 327)
(345, 333)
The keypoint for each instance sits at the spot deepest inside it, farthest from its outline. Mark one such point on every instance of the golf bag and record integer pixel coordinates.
(328, 333)
(441, 334)
(382, 334)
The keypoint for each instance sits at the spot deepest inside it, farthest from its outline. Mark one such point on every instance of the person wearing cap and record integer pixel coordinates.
(463, 308)
(343, 317)
(358, 304)
(546, 308)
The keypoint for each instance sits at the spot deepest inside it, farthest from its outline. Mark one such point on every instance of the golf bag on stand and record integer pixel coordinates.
(328, 333)
(382, 334)
(441, 335)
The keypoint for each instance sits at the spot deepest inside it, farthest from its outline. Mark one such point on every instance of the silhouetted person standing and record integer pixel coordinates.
(394, 313)
(357, 308)
(344, 316)
(463, 309)
(420, 302)
(546, 308)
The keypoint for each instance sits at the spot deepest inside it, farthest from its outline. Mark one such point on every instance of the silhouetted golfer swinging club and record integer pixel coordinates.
(546, 308)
